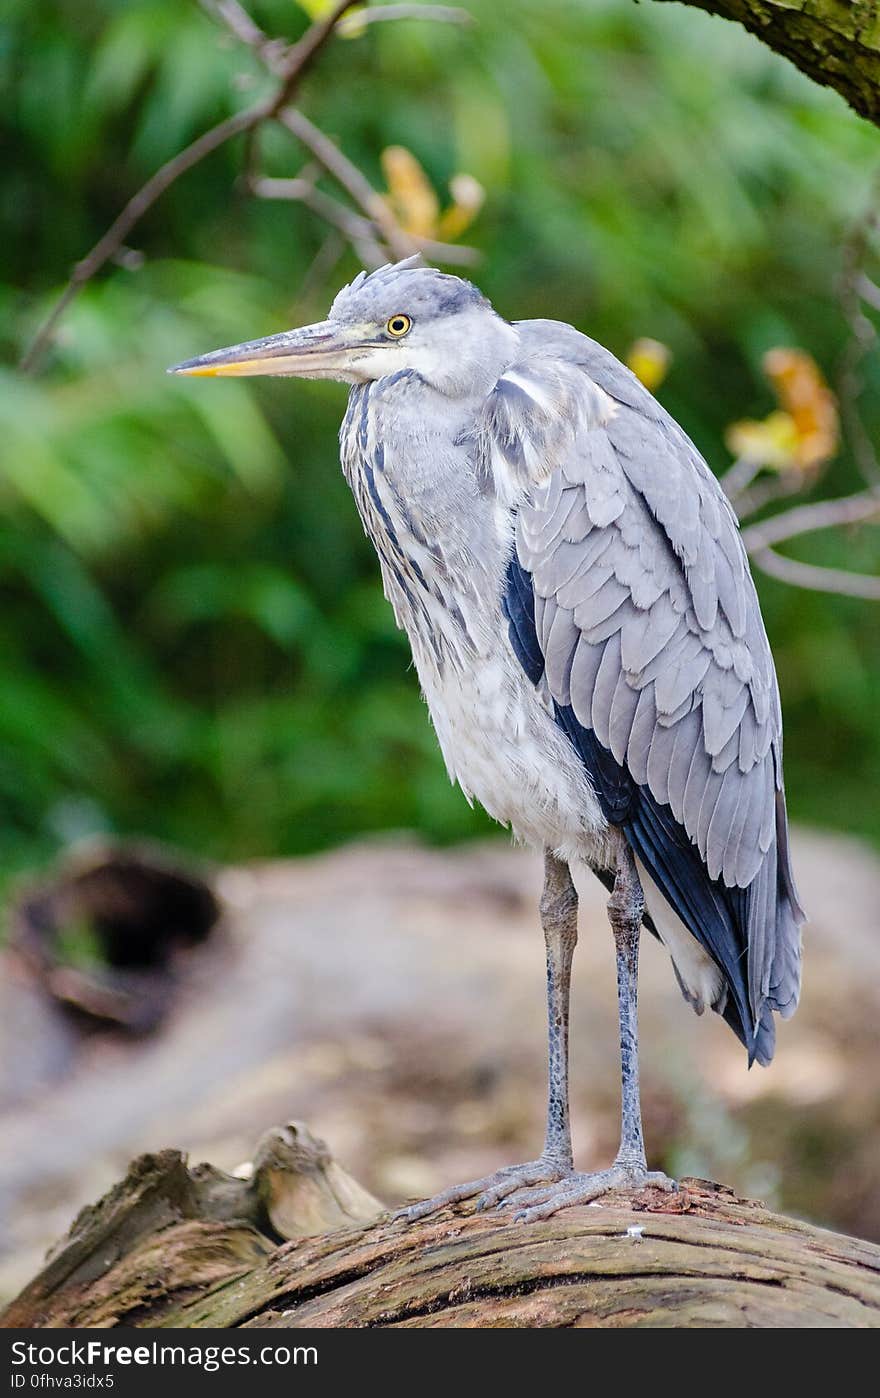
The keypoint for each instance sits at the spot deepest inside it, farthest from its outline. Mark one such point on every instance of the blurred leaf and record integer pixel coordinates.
(207, 592)
(417, 207)
(649, 361)
(804, 394)
(803, 433)
(772, 442)
(409, 192)
(350, 28)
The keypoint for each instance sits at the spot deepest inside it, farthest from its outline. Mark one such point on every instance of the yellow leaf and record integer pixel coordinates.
(409, 191)
(351, 26)
(649, 361)
(316, 9)
(772, 443)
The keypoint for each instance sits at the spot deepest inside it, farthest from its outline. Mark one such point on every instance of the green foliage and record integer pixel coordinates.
(194, 641)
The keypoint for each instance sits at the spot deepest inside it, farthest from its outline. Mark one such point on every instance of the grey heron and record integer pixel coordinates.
(589, 644)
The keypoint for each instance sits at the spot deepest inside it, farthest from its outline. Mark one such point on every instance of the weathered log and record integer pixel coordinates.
(170, 1246)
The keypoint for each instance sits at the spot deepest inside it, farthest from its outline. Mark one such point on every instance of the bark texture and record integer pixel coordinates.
(170, 1246)
(835, 42)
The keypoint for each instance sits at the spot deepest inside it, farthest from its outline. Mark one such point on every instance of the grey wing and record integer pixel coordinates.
(654, 652)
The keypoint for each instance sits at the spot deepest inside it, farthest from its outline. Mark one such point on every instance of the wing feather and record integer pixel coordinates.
(605, 601)
(559, 650)
(646, 633)
(659, 762)
(624, 704)
(584, 670)
(605, 685)
(585, 584)
(638, 748)
(655, 655)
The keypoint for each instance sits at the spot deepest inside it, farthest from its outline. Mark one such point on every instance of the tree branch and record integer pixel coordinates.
(137, 206)
(244, 28)
(292, 66)
(806, 519)
(296, 60)
(356, 227)
(739, 477)
(288, 63)
(349, 177)
(808, 575)
(836, 44)
(359, 231)
(765, 492)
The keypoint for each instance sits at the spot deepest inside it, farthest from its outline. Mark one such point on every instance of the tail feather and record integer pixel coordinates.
(751, 934)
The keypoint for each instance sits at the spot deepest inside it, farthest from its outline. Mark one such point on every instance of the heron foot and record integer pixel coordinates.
(535, 1204)
(493, 1190)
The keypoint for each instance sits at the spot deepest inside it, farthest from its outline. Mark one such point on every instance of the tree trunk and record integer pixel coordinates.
(835, 42)
(170, 1246)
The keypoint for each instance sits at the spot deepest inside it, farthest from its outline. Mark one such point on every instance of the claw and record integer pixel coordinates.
(493, 1191)
(539, 1189)
(657, 1180)
(583, 1189)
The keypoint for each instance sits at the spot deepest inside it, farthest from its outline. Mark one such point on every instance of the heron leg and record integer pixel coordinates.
(629, 1170)
(625, 909)
(559, 909)
(559, 913)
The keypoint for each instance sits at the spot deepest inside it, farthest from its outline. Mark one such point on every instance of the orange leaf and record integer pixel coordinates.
(803, 393)
(772, 443)
(410, 193)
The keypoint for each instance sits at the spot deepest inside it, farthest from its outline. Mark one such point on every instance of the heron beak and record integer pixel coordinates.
(315, 351)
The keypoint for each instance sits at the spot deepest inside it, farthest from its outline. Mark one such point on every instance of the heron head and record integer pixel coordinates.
(403, 316)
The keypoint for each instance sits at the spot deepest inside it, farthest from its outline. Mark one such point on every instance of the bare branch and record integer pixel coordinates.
(288, 63)
(359, 231)
(297, 59)
(455, 254)
(835, 580)
(776, 487)
(137, 206)
(302, 190)
(739, 476)
(380, 221)
(346, 174)
(293, 64)
(806, 519)
(355, 226)
(242, 26)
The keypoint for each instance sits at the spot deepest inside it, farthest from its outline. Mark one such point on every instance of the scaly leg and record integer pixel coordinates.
(630, 1170)
(559, 920)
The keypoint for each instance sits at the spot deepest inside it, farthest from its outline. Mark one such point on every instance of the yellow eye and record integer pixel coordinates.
(398, 325)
